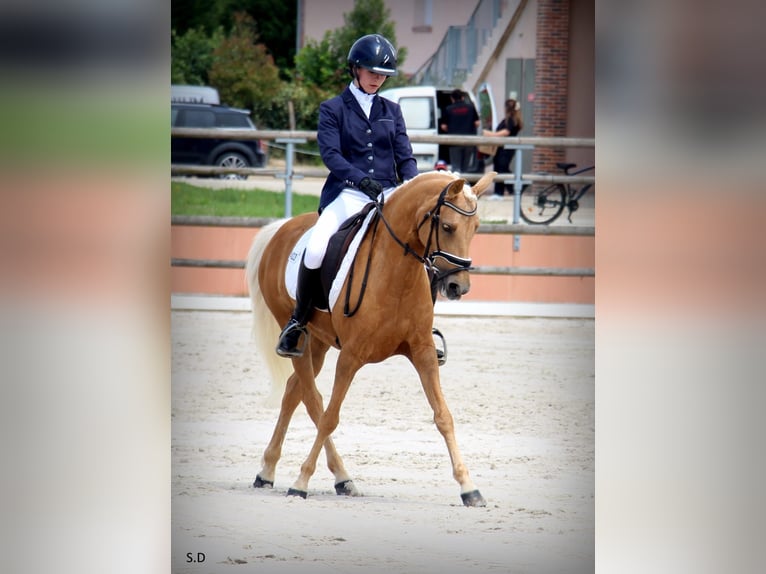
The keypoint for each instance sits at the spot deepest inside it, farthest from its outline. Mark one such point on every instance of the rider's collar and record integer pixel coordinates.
(364, 99)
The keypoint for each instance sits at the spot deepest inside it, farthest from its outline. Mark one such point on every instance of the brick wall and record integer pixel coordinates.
(551, 80)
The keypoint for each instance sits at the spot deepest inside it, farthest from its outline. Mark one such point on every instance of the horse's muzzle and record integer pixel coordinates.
(454, 281)
(453, 288)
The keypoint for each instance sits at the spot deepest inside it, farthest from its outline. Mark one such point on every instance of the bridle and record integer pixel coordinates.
(428, 258)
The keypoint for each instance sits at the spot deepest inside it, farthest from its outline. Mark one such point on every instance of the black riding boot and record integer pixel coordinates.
(304, 307)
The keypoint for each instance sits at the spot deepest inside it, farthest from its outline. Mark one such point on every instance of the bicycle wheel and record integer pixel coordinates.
(540, 205)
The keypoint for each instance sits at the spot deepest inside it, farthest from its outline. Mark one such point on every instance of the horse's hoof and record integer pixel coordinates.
(262, 482)
(346, 488)
(295, 492)
(473, 498)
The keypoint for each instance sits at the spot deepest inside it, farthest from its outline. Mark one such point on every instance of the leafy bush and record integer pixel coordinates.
(192, 57)
(244, 71)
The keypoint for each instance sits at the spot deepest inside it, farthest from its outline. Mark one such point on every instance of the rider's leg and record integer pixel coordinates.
(331, 218)
(304, 307)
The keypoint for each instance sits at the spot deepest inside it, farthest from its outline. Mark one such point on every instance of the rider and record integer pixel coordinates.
(363, 142)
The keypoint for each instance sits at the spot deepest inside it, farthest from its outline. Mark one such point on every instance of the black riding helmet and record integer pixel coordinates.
(375, 53)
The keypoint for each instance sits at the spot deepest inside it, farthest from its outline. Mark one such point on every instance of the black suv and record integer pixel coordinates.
(214, 151)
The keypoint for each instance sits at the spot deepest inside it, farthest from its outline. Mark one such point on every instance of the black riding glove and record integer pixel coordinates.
(371, 188)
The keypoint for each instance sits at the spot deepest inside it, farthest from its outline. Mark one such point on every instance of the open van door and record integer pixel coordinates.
(486, 107)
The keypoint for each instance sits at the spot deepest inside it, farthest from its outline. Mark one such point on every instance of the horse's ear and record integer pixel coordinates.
(455, 188)
(484, 183)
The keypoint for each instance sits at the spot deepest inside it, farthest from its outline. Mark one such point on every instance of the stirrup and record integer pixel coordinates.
(441, 354)
(289, 338)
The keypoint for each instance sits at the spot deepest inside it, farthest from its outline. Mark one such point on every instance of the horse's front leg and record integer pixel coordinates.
(326, 423)
(425, 362)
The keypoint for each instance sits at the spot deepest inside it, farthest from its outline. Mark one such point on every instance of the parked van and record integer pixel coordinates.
(423, 108)
(181, 94)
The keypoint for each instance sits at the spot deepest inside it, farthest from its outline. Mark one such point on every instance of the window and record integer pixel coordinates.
(423, 19)
(232, 121)
(418, 113)
(198, 119)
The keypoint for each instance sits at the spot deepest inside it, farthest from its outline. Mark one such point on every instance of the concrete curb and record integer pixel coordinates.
(184, 302)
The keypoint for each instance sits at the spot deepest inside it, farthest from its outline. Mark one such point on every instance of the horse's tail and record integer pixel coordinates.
(265, 328)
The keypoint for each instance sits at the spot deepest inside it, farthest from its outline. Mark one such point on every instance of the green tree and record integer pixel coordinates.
(191, 55)
(235, 59)
(187, 14)
(324, 63)
(318, 63)
(244, 72)
(276, 21)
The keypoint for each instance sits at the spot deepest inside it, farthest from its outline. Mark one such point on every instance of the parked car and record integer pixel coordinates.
(214, 151)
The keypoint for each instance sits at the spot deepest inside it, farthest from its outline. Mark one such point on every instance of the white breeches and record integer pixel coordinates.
(349, 202)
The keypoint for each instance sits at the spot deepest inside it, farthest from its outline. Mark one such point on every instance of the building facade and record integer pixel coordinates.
(539, 52)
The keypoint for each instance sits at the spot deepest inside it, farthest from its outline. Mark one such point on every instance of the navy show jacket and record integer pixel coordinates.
(354, 147)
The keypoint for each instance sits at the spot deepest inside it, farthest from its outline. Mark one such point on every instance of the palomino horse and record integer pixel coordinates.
(421, 245)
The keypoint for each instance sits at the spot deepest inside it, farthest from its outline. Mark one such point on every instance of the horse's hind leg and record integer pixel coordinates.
(345, 369)
(313, 401)
(290, 400)
(428, 370)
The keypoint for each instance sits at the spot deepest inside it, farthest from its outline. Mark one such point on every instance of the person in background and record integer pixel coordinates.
(363, 142)
(460, 118)
(509, 126)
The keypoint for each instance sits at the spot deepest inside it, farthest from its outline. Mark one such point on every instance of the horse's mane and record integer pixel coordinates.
(446, 175)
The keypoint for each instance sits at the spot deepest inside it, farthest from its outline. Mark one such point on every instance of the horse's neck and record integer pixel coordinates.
(400, 213)
(399, 253)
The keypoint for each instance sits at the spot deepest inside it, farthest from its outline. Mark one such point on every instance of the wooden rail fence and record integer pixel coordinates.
(512, 229)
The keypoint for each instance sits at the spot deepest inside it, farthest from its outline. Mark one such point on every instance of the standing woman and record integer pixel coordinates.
(363, 142)
(510, 126)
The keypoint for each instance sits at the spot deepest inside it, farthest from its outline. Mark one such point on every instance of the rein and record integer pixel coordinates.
(428, 259)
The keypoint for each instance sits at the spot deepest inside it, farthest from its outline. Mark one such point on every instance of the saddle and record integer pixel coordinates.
(337, 248)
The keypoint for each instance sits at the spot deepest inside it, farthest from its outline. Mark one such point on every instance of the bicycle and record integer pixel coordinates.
(540, 205)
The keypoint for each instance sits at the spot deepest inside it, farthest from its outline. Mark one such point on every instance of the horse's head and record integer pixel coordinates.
(446, 228)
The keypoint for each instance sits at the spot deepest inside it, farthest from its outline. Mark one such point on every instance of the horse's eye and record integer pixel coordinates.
(447, 228)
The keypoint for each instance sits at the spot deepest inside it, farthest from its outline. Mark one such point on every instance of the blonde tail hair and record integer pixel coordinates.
(265, 330)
